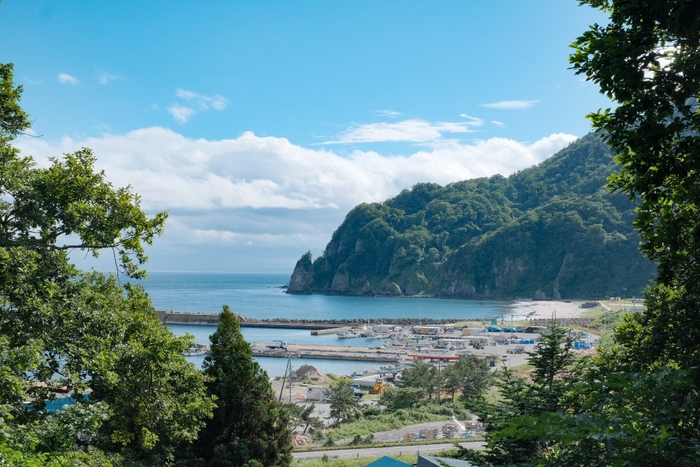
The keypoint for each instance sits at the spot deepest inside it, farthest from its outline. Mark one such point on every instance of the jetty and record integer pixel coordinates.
(327, 352)
(170, 317)
(212, 319)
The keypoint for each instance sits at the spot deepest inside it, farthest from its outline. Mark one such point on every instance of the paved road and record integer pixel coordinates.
(390, 451)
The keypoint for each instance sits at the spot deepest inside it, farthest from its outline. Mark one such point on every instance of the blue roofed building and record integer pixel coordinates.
(387, 461)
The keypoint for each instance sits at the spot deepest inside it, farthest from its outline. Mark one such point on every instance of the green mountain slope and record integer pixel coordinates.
(550, 231)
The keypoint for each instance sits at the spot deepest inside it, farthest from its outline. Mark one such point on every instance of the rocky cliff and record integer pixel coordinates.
(551, 231)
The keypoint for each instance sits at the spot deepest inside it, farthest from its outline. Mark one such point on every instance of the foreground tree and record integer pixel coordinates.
(65, 331)
(646, 60)
(555, 373)
(249, 426)
(639, 404)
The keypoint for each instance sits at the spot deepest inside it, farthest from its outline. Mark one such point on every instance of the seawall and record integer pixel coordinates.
(212, 319)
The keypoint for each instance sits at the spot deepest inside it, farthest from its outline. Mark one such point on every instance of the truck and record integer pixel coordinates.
(357, 391)
(277, 345)
(493, 328)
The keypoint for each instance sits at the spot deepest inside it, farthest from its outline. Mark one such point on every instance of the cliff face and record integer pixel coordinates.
(551, 231)
(302, 277)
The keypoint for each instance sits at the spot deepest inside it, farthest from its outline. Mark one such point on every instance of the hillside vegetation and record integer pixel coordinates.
(550, 231)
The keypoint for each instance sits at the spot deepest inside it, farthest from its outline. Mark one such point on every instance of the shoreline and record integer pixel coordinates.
(547, 309)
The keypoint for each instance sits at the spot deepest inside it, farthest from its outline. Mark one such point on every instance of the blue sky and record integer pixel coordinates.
(258, 125)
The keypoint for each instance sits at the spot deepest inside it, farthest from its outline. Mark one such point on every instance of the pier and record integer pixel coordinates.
(328, 326)
(212, 319)
(327, 352)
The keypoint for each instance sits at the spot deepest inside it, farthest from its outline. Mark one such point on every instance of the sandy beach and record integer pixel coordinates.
(547, 308)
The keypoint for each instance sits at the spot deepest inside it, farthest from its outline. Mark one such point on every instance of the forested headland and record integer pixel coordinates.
(551, 231)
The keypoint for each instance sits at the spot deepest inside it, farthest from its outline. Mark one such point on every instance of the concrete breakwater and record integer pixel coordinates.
(212, 319)
(358, 354)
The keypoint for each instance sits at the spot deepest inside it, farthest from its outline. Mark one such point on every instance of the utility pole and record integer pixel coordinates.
(439, 380)
(289, 364)
(287, 370)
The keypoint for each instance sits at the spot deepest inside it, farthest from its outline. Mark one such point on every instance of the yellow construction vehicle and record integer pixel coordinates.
(379, 386)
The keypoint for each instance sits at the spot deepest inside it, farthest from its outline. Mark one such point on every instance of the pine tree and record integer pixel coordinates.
(249, 426)
(555, 372)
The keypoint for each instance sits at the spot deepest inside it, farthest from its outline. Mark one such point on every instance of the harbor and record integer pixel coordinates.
(433, 344)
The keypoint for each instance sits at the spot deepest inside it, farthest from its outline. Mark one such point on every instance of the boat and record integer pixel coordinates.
(197, 350)
(346, 334)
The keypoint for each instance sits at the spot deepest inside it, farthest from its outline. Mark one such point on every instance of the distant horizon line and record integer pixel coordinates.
(207, 272)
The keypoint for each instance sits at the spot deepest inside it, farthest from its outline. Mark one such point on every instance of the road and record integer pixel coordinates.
(389, 451)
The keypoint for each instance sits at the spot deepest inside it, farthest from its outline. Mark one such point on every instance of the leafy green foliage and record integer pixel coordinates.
(158, 399)
(470, 375)
(640, 401)
(25, 456)
(420, 375)
(402, 398)
(301, 416)
(13, 120)
(552, 230)
(375, 421)
(65, 332)
(626, 419)
(344, 404)
(646, 59)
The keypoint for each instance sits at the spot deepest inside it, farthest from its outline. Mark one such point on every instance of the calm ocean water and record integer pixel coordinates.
(259, 296)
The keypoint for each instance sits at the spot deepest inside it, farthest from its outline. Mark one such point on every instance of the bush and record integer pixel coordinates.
(402, 398)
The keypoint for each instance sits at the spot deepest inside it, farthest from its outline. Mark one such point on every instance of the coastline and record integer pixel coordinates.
(546, 309)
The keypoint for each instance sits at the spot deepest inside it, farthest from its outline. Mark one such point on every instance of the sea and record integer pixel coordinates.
(263, 296)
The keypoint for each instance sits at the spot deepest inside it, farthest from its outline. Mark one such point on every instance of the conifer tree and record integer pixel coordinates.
(249, 426)
(555, 372)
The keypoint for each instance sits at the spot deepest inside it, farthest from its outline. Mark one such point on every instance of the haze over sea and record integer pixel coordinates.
(260, 296)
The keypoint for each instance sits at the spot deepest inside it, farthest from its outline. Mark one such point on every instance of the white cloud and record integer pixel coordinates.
(509, 105)
(258, 203)
(497, 123)
(234, 237)
(180, 113)
(104, 78)
(414, 130)
(65, 78)
(215, 102)
(388, 113)
(551, 144)
(171, 171)
(196, 103)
